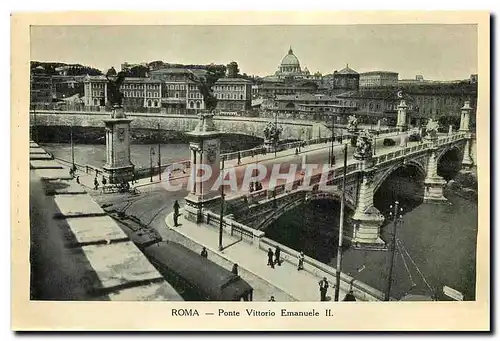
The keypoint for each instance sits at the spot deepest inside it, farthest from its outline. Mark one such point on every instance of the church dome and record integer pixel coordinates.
(290, 59)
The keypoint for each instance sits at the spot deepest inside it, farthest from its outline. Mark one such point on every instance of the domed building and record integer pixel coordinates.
(290, 66)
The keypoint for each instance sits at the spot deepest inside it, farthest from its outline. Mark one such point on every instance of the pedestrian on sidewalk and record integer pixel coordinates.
(239, 157)
(271, 299)
(204, 252)
(234, 270)
(251, 187)
(270, 256)
(296, 151)
(277, 254)
(78, 179)
(96, 183)
(323, 288)
(103, 180)
(301, 261)
(176, 213)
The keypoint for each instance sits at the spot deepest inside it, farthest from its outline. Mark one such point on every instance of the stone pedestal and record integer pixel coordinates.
(402, 124)
(367, 219)
(467, 162)
(205, 153)
(465, 117)
(270, 146)
(433, 183)
(118, 167)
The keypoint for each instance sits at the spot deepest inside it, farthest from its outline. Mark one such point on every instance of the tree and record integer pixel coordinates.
(139, 71)
(205, 84)
(111, 72)
(232, 70)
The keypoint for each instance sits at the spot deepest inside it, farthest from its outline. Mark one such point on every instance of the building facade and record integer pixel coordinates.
(378, 78)
(306, 107)
(137, 92)
(345, 80)
(439, 101)
(41, 90)
(289, 87)
(379, 104)
(234, 95)
(180, 94)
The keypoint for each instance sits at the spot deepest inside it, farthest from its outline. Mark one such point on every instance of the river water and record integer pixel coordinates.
(95, 154)
(437, 245)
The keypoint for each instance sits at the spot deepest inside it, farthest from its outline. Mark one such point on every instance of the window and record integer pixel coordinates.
(138, 94)
(149, 94)
(191, 104)
(241, 96)
(198, 105)
(176, 86)
(222, 96)
(149, 103)
(182, 87)
(176, 95)
(155, 103)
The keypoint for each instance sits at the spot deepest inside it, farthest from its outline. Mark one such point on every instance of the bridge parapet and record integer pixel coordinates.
(257, 239)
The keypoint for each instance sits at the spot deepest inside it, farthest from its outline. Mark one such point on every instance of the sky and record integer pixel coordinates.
(438, 52)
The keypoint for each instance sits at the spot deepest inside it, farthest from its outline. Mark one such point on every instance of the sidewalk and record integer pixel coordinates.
(301, 285)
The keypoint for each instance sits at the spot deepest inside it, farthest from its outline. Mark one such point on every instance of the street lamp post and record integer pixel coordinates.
(159, 154)
(151, 153)
(221, 205)
(72, 148)
(276, 133)
(341, 229)
(333, 139)
(396, 220)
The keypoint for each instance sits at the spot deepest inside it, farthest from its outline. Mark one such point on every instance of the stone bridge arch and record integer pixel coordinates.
(449, 161)
(458, 147)
(307, 197)
(383, 175)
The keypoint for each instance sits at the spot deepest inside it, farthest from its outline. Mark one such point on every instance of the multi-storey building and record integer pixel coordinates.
(67, 86)
(233, 95)
(345, 80)
(379, 104)
(437, 100)
(168, 90)
(271, 89)
(378, 78)
(307, 106)
(40, 87)
(137, 92)
(180, 94)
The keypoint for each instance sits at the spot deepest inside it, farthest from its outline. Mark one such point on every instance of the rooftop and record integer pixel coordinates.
(379, 73)
(304, 97)
(346, 71)
(233, 80)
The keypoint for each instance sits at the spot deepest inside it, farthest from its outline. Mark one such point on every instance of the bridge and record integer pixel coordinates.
(364, 176)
